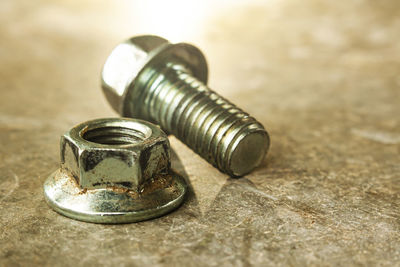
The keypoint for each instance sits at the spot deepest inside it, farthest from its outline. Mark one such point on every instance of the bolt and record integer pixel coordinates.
(149, 78)
(114, 171)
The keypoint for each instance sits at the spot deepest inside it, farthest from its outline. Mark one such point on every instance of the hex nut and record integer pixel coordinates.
(114, 171)
(115, 153)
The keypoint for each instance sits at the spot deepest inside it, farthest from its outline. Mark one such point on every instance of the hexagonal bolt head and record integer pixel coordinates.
(116, 152)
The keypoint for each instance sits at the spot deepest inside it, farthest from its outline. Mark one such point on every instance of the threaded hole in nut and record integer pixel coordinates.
(114, 135)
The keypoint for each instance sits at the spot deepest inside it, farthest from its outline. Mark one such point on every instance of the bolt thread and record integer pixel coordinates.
(206, 122)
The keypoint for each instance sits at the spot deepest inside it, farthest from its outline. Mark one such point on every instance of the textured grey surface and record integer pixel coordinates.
(322, 76)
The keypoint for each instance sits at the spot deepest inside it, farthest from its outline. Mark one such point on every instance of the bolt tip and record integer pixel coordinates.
(248, 153)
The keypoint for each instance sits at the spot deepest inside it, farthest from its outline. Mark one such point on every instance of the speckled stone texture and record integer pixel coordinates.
(322, 76)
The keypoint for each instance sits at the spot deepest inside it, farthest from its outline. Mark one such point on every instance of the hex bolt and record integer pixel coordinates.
(149, 78)
(114, 170)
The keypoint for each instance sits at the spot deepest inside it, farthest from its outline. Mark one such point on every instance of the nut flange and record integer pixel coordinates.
(114, 171)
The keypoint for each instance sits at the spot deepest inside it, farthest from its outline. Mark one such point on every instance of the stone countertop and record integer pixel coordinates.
(322, 76)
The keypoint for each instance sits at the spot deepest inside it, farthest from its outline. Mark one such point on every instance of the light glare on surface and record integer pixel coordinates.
(176, 18)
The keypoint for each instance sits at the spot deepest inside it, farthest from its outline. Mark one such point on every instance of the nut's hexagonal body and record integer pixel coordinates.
(114, 171)
(90, 154)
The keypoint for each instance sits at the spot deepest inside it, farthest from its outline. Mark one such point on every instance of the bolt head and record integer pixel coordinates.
(115, 153)
(124, 64)
(122, 70)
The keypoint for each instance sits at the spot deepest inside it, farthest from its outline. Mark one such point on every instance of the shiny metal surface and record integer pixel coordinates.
(113, 205)
(149, 78)
(114, 171)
